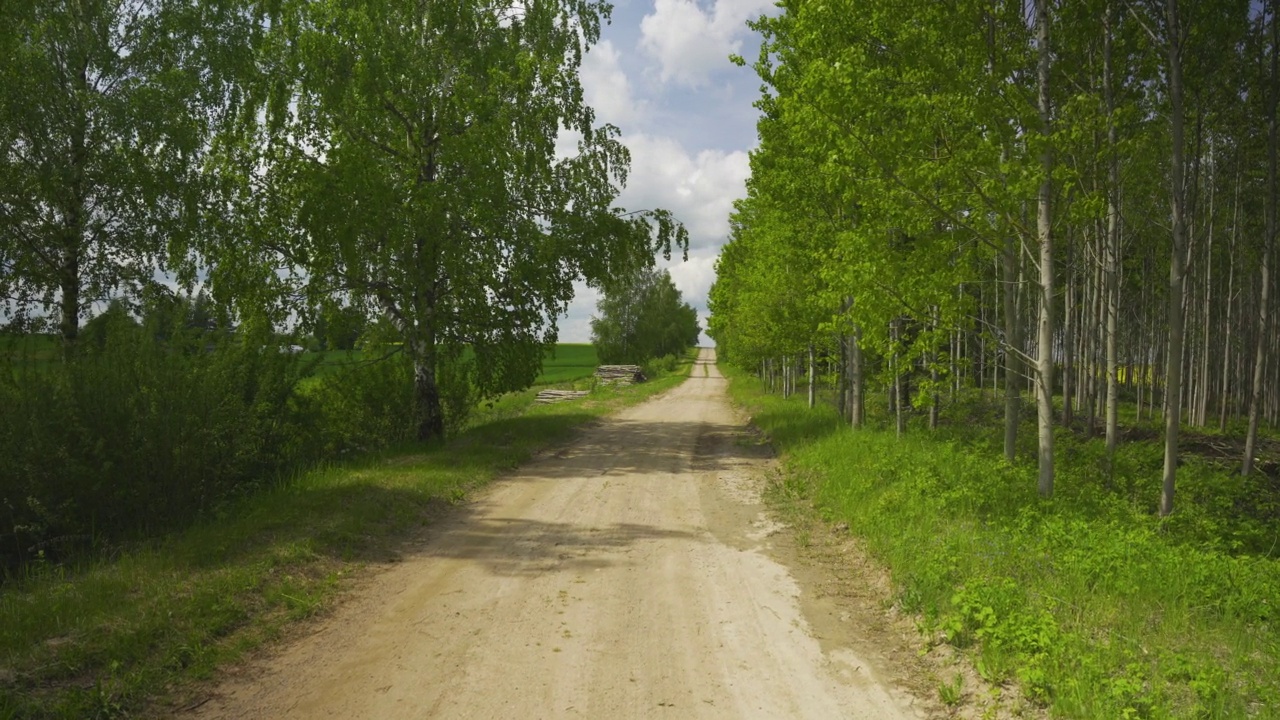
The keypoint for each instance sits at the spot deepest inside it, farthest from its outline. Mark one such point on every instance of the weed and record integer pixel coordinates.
(951, 693)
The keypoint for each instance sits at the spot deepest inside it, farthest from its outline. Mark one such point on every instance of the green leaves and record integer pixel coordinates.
(641, 317)
(104, 112)
(407, 166)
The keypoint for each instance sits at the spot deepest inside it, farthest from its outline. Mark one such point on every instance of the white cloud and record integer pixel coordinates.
(693, 278)
(690, 42)
(684, 44)
(698, 189)
(607, 90)
(575, 324)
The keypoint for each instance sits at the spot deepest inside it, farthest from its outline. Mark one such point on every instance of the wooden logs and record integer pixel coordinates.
(555, 396)
(620, 374)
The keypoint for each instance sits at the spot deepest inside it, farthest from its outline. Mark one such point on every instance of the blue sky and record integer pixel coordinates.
(661, 73)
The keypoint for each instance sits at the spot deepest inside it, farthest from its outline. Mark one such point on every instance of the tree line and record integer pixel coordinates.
(641, 317)
(392, 160)
(1075, 199)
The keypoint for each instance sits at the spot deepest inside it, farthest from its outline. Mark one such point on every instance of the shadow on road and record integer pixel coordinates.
(515, 547)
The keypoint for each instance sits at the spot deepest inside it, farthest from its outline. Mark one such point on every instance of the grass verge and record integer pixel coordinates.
(1088, 602)
(104, 639)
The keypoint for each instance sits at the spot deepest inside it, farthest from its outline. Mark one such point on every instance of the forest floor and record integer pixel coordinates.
(634, 573)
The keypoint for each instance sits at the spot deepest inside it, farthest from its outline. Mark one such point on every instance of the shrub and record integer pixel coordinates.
(658, 366)
(139, 436)
(361, 408)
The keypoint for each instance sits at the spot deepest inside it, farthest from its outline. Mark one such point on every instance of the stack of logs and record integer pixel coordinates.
(607, 374)
(619, 374)
(555, 396)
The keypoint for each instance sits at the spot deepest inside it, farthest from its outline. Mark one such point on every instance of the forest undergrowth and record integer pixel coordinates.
(1089, 602)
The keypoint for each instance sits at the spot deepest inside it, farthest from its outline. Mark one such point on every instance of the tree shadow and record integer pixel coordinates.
(520, 547)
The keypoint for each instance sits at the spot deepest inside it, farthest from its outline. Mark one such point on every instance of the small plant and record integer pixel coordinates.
(951, 693)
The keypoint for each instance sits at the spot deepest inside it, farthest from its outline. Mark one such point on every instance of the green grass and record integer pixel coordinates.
(107, 638)
(565, 363)
(1090, 603)
(568, 362)
(29, 352)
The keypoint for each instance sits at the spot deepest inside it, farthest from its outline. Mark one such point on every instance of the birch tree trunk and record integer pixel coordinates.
(1113, 240)
(1044, 226)
(1012, 362)
(900, 415)
(1173, 356)
(933, 377)
(1068, 341)
(1231, 278)
(1202, 383)
(813, 377)
(855, 376)
(1259, 357)
(421, 344)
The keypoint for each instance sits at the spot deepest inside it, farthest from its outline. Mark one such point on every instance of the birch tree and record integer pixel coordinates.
(105, 109)
(1269, 241)
(408, 162)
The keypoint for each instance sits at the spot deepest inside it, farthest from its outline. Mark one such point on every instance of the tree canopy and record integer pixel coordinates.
(1071, 198)
(406, 163)
(106, 109)
(642, 316)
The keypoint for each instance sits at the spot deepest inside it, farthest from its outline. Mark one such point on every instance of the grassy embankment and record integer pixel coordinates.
(1090, 603)
(107, 637)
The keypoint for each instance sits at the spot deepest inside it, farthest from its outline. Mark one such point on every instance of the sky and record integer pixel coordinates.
(661, 74)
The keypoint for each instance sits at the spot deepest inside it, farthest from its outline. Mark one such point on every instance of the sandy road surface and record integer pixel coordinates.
(627, 576)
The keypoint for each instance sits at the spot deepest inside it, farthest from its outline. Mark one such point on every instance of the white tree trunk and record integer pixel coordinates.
(1044, 227)
(1173, 356)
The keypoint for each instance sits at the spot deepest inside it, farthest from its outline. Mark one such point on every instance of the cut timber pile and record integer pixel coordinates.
(620, 374)
(555, 396)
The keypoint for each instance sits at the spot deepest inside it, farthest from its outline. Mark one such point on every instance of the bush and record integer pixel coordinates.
(139, 436)
(145, 431)
(361, 408)
(659, 366)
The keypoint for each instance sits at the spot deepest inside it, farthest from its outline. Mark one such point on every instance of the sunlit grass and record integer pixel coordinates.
(1092, 604)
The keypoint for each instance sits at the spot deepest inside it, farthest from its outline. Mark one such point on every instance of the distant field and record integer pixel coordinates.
(31, 347)
(566, 363)
(569, 361)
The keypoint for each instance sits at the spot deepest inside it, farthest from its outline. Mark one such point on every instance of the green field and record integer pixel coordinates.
(566, 363)
(38, 348)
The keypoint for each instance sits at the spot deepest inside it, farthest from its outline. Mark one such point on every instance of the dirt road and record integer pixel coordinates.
(627, 576)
